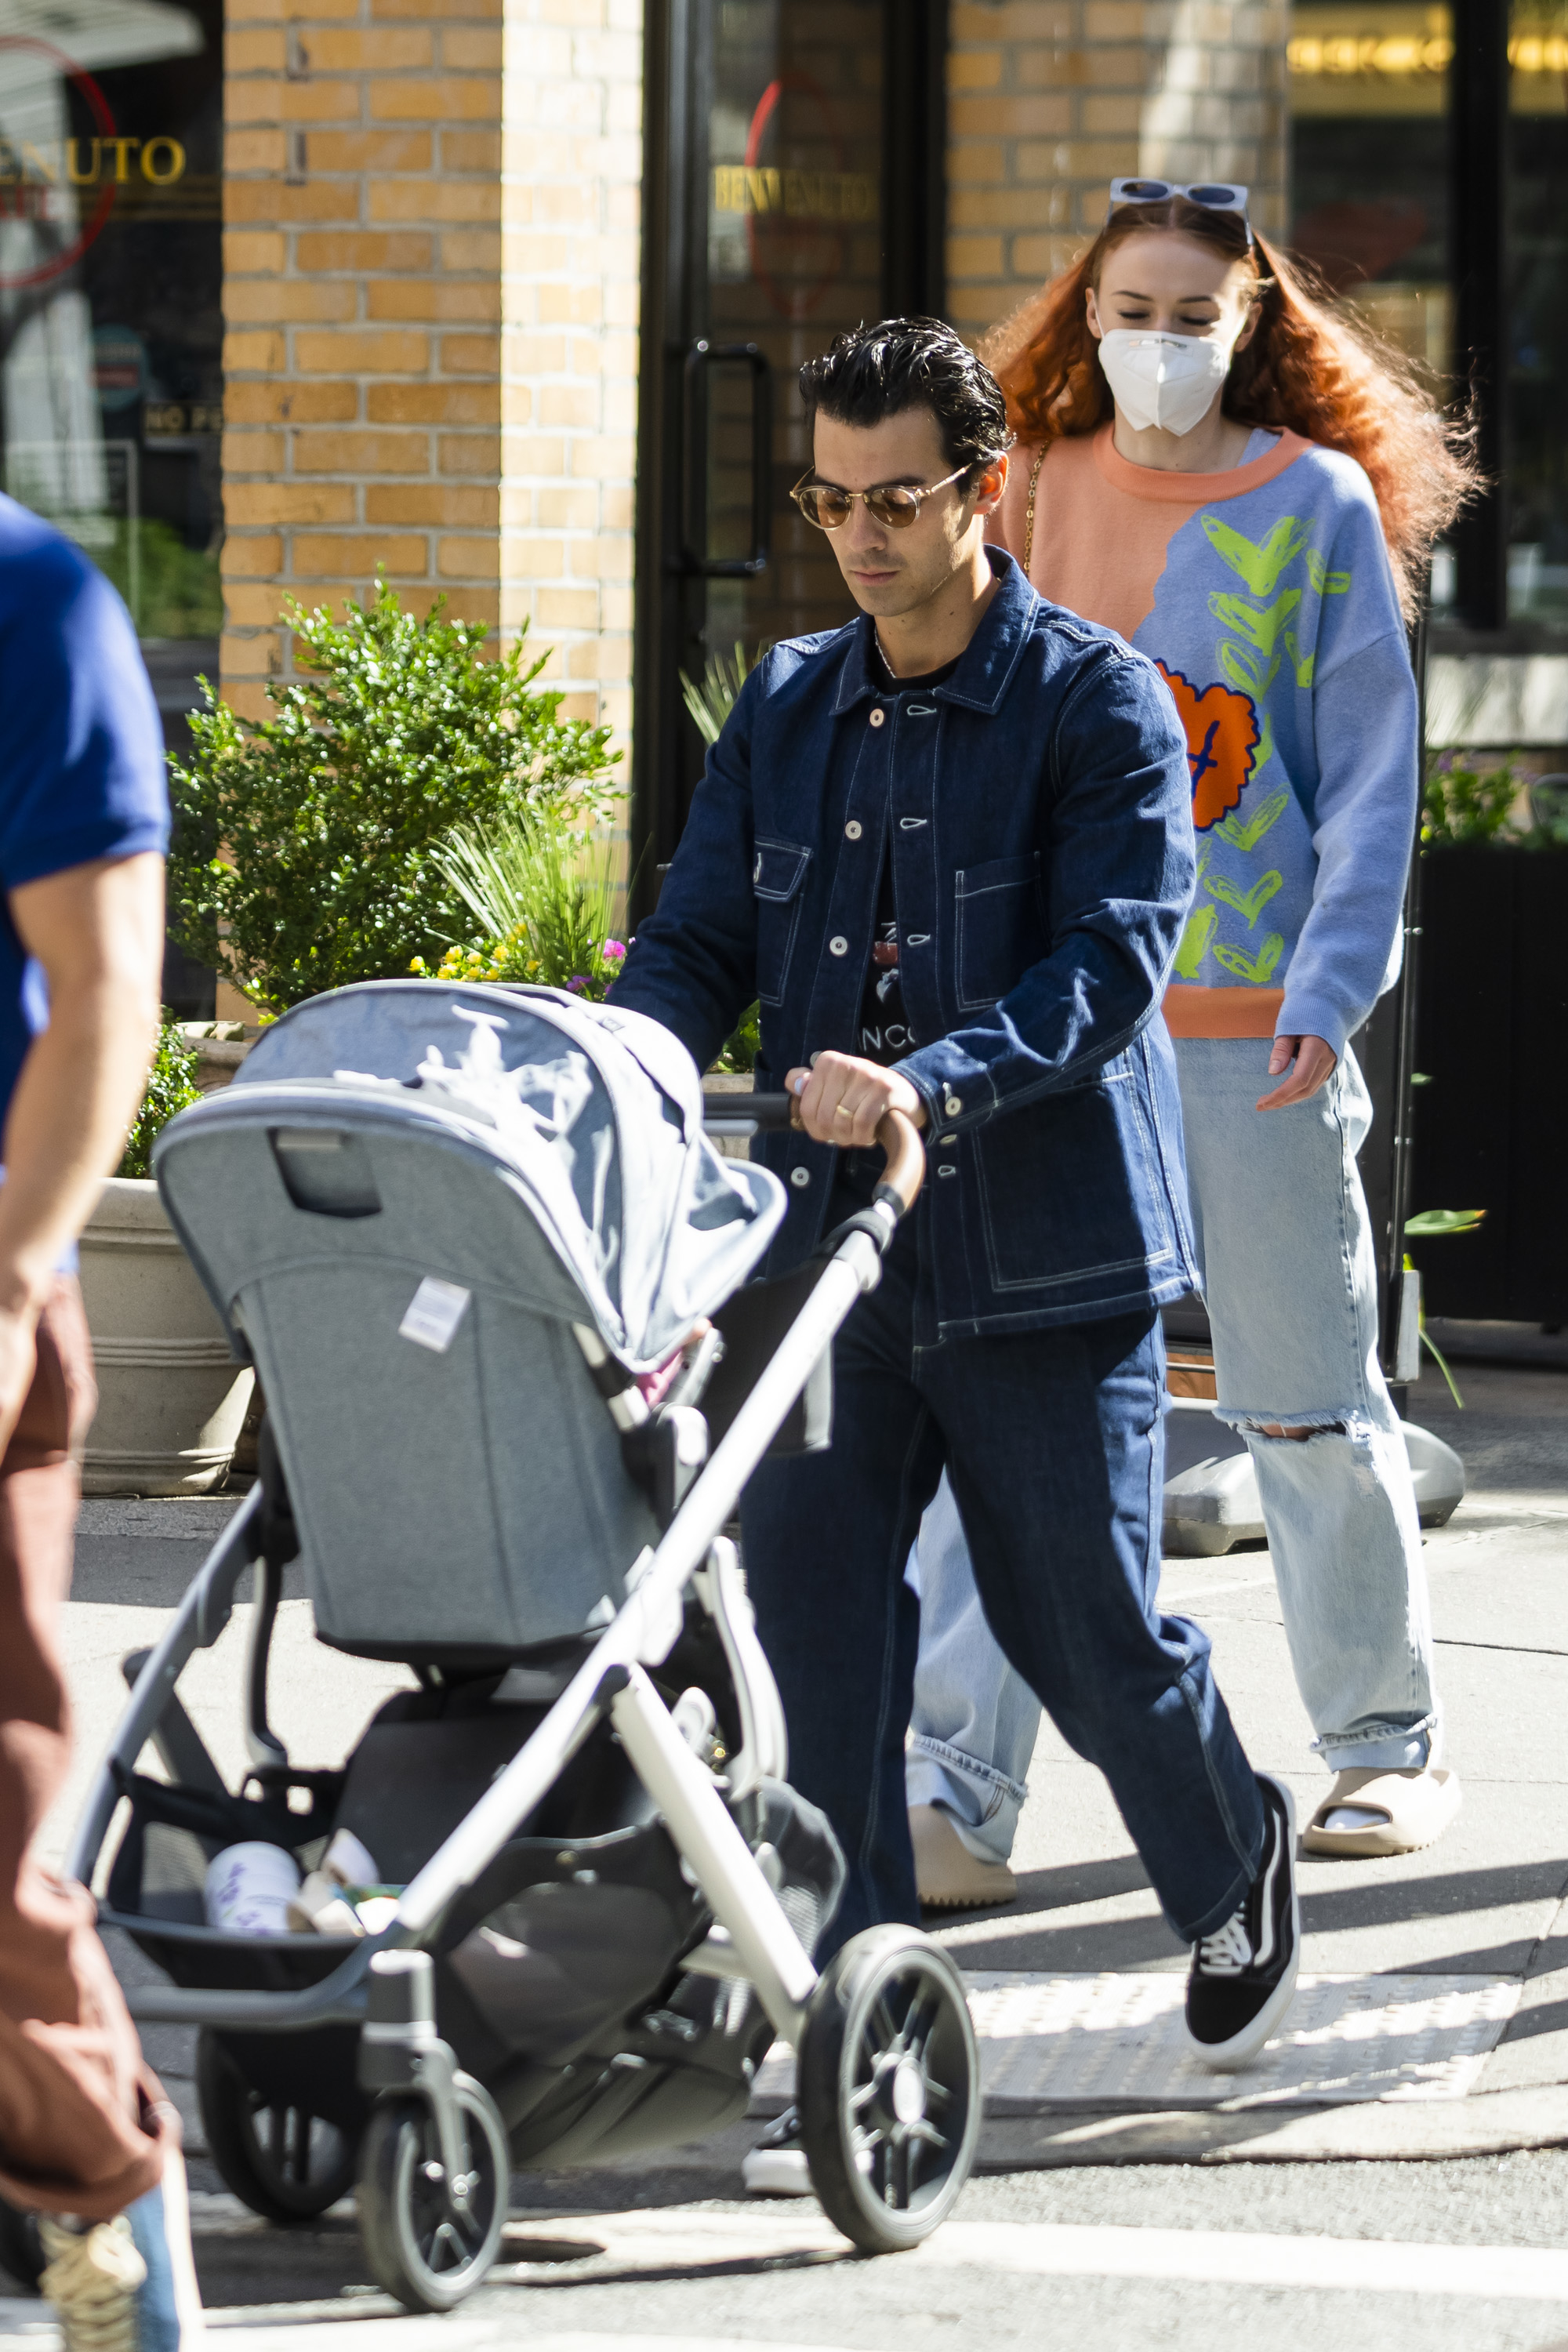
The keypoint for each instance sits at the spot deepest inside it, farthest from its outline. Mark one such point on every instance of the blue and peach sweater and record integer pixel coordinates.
(1266, 597)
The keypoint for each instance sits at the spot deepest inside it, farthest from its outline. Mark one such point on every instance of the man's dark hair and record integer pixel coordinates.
(873, 373)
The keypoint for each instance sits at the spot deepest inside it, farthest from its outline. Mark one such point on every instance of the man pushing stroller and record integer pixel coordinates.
(948, 848)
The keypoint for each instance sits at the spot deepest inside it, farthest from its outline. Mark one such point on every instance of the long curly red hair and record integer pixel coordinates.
(1310, 368)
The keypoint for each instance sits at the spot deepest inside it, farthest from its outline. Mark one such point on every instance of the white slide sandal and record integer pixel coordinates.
(1400, 1811)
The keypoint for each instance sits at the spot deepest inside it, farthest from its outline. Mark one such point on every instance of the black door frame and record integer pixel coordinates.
(666, 750)
(1478, 268)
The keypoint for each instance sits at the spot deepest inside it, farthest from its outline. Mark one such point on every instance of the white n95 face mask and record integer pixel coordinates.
(1164, 380)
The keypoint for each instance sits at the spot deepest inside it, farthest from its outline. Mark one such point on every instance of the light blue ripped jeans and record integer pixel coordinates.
(974, 1722)
(1290, 1283)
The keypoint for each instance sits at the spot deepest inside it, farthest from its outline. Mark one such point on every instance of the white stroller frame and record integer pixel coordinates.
(386, 1983)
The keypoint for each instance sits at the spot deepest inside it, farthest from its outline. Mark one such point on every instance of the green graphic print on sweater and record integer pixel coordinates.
(1276, 625)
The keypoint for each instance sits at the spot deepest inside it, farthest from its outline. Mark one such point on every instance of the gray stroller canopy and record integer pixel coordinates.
(593, 1118)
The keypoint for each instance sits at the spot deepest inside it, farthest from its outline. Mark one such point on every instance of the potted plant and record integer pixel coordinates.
(302, 856)
(540, 897)
(304, 848)
(542, 901)
(1491, 1001)
(171, 1397)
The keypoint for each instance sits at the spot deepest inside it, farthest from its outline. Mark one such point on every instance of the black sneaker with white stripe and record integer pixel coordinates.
(1244, 1975)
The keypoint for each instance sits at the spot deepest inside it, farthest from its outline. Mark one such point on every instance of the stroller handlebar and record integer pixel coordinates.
(741, 1114)
(905, 1172)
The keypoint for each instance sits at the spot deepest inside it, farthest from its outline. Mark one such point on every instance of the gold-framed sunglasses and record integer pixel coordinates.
(829, 508)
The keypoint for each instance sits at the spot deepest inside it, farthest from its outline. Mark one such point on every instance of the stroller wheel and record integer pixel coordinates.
(888, 2086)
(420, 2249)
(282, 2161)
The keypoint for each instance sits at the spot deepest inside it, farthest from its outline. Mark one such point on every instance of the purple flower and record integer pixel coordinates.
(577, 985)
(612, 951)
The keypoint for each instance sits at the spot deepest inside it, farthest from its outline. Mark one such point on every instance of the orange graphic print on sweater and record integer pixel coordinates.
(1222, 731)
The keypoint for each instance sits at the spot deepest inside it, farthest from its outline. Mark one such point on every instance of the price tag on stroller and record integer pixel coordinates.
(433, 1314)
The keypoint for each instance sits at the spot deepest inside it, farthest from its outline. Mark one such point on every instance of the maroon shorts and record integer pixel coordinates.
(84, 2128)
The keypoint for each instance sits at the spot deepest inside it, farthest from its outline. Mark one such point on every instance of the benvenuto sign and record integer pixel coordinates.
(38, 178)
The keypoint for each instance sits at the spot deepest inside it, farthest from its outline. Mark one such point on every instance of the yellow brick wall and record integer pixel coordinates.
(570, 263)
(363, 310)
(1049, 101)
(430, 294)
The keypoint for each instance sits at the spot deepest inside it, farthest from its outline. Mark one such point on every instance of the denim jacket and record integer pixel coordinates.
(1037, 812)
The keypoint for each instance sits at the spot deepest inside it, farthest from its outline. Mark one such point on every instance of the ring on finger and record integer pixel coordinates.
(839, 1111)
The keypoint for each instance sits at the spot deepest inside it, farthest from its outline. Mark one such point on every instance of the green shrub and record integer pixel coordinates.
(1466, 804)
(171, 1087)
(329, 814)
(542, 902)
(739, 1052)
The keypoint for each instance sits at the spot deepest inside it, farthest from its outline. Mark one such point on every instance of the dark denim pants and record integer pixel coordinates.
(1055, 1446)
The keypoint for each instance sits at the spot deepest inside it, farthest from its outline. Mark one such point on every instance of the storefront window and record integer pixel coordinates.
(1538, 287)
(1369, 94)
(1370, 173)
(111, 323)
(794, 254)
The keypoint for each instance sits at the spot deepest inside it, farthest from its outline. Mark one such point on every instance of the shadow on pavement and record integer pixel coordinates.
(1147, 1941)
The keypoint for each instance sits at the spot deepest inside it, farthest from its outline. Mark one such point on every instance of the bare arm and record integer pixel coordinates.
(97, 932)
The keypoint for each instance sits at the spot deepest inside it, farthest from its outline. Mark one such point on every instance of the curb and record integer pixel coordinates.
(1492, 2123)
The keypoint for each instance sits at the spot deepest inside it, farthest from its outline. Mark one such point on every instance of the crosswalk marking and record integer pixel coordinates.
(1116, 2039)
(618, 2247)
(1233, 2257)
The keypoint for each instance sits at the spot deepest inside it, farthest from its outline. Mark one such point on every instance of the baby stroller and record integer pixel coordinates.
(463, 1235)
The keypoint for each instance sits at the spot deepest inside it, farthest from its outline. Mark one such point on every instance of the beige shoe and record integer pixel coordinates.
(94, 2278)
(947, 1874)
(1369, 1811)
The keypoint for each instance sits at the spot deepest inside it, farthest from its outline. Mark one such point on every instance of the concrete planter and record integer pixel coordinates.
(171, 1397)
(217, 1060)
(1491, 999)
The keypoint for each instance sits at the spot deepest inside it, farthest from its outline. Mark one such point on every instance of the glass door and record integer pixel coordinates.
(112, 319)
(784, 135)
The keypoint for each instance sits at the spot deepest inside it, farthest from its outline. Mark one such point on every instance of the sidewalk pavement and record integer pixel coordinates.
(1461, 2041)
(1433, 2019)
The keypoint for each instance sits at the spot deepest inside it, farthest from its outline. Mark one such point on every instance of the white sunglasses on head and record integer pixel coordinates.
(1213, 196)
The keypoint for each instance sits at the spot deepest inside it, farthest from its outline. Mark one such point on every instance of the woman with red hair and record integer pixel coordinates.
(1241, 483)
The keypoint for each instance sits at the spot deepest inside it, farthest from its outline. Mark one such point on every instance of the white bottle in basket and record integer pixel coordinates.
(249, 1888)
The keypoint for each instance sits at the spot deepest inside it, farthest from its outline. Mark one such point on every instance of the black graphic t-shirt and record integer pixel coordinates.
(885, 1034)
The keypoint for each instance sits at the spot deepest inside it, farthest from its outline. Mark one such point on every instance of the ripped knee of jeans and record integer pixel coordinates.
(1298, 1428)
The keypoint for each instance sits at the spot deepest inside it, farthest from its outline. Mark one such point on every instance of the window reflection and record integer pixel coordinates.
(1371, 192)
(1369, 97)
(794, 254)
(110, 384)
(1538, 287)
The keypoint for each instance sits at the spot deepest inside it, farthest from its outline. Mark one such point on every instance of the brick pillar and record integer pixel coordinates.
(397, 290)
(362, 298)
(571, 260)
(1051, 100)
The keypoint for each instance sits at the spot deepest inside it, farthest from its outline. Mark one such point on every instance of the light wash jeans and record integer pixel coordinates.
(972, 1729)
(1290, 1283)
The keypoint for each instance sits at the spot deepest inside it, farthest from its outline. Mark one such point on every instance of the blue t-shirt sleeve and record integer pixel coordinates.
(81, 750)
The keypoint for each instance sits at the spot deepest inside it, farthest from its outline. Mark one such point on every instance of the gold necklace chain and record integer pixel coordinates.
(1029, 514)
